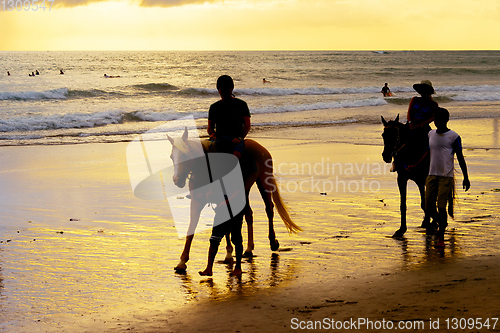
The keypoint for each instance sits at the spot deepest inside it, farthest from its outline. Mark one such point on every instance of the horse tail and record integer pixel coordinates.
(281, 207)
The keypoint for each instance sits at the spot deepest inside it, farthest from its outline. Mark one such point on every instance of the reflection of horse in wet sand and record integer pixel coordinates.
(184, 150)
(409, 149)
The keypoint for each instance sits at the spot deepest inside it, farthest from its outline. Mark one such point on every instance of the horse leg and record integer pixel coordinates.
(402, 183)
(273, 242)
(250, 242)
(195, 211)
(266, 196)
(229, 250)
(249, 181)
(181, 266)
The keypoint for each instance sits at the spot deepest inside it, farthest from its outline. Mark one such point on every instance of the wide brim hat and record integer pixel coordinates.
(424, 88)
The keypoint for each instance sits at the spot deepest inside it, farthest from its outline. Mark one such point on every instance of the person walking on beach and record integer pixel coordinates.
(228, 119)
(228, 124)
(421, 108)
(440, 183)
(386, 91)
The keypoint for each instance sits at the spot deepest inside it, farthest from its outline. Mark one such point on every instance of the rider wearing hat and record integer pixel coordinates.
(421, 109)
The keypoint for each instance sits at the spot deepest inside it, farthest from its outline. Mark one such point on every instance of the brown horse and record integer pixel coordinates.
(184, 149)
(409, 149)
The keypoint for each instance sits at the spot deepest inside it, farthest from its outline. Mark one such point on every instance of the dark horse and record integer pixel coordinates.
(409, 149)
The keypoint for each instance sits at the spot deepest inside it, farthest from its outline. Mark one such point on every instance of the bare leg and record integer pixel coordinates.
(218, 232)
(426, 223)
(212, 252)
(229, 250)
(237, 240)
(431, 192)
(239, 253)
(443, 223)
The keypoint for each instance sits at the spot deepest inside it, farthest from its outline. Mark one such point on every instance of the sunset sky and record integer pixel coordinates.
(253, 25)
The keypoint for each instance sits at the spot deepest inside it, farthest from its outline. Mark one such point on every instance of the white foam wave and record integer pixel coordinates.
(75, 120)
(271, 91)
(306, 123)
(477, 97)
(321, 106)
(60, 93)
(467, 88)
(153, 116)
(87, 120)
(306, 91)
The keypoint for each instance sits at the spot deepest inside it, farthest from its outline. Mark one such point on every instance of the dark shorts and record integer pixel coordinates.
(232, 226)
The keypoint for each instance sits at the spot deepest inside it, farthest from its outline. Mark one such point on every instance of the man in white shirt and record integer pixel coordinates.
(440, 185)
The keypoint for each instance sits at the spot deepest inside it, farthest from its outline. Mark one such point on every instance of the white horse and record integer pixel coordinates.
(185, 150)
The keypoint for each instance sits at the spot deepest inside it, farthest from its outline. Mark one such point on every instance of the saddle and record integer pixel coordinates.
(247, 162)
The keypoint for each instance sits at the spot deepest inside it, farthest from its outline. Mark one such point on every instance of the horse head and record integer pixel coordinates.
(182, 155)
(391, 137)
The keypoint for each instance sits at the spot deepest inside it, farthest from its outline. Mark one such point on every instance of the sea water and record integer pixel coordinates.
(149, 88)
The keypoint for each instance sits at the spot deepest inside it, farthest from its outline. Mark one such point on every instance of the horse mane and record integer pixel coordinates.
(185, 147)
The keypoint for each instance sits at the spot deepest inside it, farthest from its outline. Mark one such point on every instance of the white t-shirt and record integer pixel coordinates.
(441, 149)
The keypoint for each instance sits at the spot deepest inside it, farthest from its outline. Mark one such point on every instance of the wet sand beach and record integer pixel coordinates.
(80, 253)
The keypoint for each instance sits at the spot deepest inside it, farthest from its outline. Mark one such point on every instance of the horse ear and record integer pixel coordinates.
(397, 119)
(185, 134)
(383, 121)
(170, 139)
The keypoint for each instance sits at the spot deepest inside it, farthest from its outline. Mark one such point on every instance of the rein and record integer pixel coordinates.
(396, 151)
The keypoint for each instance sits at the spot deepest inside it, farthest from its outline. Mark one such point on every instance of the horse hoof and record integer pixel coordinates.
(180, 270)
(275, 245)
(398, 234)
(181, 267)
(248, 254)
(228, 260)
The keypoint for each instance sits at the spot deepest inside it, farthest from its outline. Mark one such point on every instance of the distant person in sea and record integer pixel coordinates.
(421, 108)
(440, 184)
(228, 119)
(265, 81)
(8, 73)
(386, 91)
(61, 72)
(36, 72)
(32, 74)
(111, 76)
